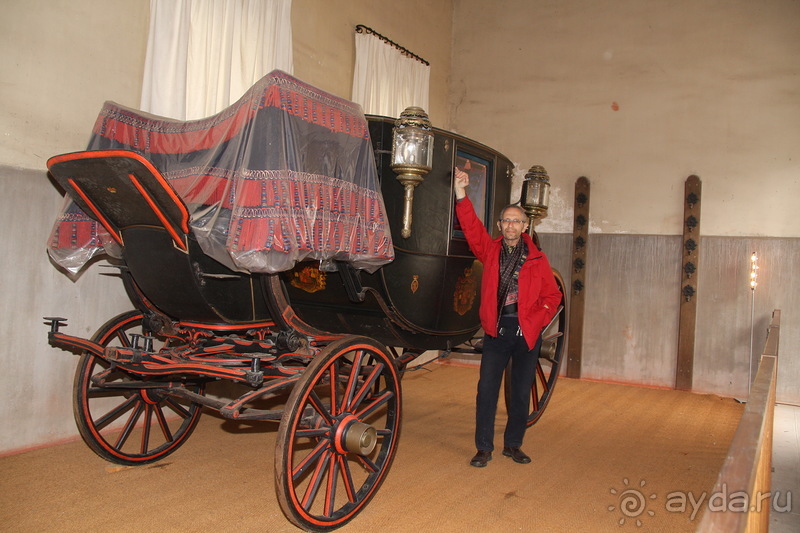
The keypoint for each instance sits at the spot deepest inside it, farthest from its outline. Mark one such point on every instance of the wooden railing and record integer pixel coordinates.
(743, 486)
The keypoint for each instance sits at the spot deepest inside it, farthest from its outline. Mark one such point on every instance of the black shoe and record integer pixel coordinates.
(517, 455)
(481, 458)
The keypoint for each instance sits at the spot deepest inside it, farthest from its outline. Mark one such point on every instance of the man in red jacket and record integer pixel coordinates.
(519, 297)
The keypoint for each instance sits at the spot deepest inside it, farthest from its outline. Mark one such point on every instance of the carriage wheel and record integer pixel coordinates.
(549, 364)
(123, 423)
(338, 434)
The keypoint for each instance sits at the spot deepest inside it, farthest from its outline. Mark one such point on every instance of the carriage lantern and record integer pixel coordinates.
(536, 192)
(412, 156)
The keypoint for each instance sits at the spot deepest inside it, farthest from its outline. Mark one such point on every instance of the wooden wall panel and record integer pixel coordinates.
(722, 343)
(631, 318)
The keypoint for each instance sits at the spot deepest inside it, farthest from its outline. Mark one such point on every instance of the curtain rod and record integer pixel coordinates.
(366, 29)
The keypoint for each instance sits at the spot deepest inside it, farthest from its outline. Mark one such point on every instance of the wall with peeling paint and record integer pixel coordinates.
(637, 96)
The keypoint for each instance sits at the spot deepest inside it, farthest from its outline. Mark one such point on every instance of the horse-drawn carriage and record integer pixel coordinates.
(256, 246)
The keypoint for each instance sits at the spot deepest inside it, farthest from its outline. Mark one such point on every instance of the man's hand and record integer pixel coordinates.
(460, 183)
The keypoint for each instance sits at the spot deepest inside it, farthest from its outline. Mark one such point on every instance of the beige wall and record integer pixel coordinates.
(324, 49)
(61, 59)
(637, 96)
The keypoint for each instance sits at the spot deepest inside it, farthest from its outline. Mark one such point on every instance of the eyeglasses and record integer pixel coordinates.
(511, 221)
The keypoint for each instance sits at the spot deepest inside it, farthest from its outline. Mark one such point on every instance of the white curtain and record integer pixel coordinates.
(386, 81)
(202, 55)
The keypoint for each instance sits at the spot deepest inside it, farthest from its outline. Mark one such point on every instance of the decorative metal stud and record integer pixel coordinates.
(688, 292)
(577, 286)
(689, 269)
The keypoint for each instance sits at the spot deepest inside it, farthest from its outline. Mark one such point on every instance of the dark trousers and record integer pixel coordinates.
(497, 351)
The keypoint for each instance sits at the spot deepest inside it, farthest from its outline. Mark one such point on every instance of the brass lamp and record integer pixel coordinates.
(412, 156)
(536, 193)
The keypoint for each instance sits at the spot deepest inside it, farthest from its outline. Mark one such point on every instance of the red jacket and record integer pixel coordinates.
(537, 285)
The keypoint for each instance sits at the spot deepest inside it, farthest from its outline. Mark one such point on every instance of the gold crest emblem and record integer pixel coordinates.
(464, 295)
(309, 279)
(415, 283)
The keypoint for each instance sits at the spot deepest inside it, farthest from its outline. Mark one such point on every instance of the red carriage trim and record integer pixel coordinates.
(103, 220)
(78, 224)
(226, 327)
(175, 237)
(184, 223)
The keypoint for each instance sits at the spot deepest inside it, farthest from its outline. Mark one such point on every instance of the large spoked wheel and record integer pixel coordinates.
(338, 435)
(122, 419)
(549, 364)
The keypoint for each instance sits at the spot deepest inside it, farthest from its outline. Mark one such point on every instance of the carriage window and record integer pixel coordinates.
(480, 172)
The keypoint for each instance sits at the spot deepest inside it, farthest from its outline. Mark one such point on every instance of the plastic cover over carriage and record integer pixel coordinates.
(287, 173)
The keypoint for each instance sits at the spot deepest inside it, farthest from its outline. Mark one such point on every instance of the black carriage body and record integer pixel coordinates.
(428, 297)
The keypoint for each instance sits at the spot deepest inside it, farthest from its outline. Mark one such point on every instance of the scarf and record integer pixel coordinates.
(510, 262)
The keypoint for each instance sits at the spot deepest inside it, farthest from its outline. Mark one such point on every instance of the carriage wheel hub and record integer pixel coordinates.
(152, 396)
(354, 436)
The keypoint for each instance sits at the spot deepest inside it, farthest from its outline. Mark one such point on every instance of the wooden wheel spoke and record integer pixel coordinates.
(148, 417)
(123, 338)
(555, 335)
(330, 493)
(162, 423)
(353, 379)
(177, 408)
(315, 454)
(320, 408)
(365, 387)
(129, 425)
(315, 481)
(535, 396)
(374, 405)
(367, 462)
(347, 478)
(115, 413)
(312, 433)
(540, 373)
(334, 372)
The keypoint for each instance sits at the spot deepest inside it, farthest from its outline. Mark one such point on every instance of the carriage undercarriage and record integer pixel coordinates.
(139, 393)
